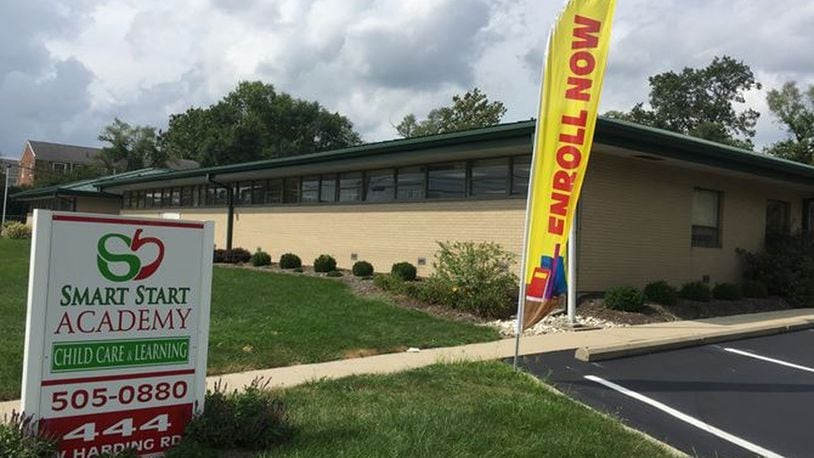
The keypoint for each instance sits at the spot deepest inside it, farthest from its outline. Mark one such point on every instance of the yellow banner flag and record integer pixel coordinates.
(572, 82)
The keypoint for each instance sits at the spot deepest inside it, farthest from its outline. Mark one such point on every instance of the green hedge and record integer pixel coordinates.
(625, 298)
(696, 291)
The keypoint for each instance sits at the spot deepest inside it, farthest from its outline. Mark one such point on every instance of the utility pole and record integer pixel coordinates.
(5, 195)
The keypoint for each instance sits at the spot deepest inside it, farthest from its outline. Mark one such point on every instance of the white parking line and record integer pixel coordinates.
(771, 360)
(754, 448)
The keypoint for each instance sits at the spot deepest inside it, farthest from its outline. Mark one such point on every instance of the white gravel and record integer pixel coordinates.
(552, 324)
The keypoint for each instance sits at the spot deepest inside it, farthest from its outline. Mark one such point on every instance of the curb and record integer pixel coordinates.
(601, 353)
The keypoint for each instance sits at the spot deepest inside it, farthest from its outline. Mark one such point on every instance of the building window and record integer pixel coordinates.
(157, 198)
(778, 217)
(244, 192)
(222, 195)
(446, 181)
(489, 177)
(310, 189)
(63, 204)
(215, 195)
(706, 218)
(59, 167)
(350, 187)
(380, 186)
(175, 198)
(274, 191)
(258, 192)
(186, 196)
(411, 183)
(521, 171)
(808, 216)
(291, 191)
(199, 196)
(327, 188)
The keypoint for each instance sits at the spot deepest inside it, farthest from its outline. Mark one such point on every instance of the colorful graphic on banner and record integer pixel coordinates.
(574, 69)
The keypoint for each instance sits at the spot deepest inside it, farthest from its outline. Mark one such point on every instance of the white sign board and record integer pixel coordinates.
(117, 330)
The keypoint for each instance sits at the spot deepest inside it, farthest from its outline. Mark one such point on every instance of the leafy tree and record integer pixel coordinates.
(133, 147)
(700, 102)
(795, 110)
(255, 122)
(45, 176)
(468, 111)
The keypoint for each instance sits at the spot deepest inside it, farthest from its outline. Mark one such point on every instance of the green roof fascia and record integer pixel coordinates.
(501, 131)
(677, 146)
(83, 188)
(56, 191)
(612, 132)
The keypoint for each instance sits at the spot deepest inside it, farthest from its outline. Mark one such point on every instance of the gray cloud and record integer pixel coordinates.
(39, 95)
(438, 50)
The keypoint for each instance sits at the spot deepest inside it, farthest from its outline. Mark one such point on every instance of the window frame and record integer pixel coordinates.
(718, 242)
(786, 223)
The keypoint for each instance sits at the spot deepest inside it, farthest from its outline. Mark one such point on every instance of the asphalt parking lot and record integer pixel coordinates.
(752, 397)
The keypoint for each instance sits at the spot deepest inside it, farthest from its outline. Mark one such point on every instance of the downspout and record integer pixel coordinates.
(230, 218)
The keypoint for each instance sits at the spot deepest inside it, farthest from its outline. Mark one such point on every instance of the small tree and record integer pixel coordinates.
(474, 277)
(134, 146)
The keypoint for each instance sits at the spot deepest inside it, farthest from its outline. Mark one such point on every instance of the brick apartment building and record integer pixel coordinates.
(53, 158)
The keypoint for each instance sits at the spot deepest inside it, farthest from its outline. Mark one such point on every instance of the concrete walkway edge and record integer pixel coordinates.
(602, 353)
(628, 337)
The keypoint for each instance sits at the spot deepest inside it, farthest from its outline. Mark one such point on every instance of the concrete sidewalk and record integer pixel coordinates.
(634, 336)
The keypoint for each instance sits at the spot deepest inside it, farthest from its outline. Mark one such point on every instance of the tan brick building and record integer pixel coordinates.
(656, 205)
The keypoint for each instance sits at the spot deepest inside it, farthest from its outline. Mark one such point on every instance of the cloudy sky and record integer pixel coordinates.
(67, 68)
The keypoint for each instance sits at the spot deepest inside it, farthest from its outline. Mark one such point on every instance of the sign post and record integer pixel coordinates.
(117, 330)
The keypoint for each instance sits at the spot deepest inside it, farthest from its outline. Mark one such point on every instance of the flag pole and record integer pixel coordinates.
(524, 246)
(572, 270)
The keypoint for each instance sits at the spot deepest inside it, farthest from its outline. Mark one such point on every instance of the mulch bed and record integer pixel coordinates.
(683, 310)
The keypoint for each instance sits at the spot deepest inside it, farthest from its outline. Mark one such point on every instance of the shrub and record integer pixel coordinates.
(252, 419)
(625, 298)
(238, 255)
(324, 263)
(298, 270)
(363, 269)
(15, 230)
(188, 448)
(233, 256)
(473, 277)
(260, 258)
(786, 267)
(389, 282)
(19, 439)
(404, 270)
(334, 273)
(661, 292)
(290, 261)
(754, 288)
(727, 291)
(696, 291)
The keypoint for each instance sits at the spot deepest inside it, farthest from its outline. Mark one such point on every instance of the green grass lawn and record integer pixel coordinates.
(450, 410)
(13, 285)
(259, 320)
